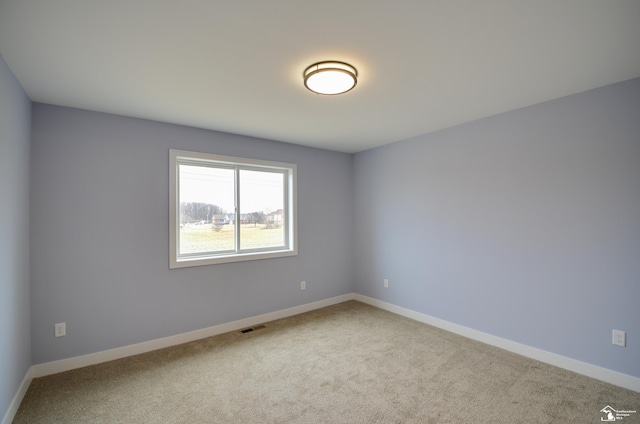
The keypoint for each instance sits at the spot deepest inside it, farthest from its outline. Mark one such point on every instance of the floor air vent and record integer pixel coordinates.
(250, 329)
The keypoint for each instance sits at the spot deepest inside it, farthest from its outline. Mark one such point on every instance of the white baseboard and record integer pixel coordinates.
(55, 367)
(17, 399)
(589, 370)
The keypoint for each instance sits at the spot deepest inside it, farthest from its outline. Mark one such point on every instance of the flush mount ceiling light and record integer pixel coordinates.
(330, 77)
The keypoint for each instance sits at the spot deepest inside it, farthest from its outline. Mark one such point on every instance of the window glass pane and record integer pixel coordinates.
(206, 215)
(262, 209)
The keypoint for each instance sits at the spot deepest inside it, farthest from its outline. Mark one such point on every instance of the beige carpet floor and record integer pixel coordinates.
(348, 363)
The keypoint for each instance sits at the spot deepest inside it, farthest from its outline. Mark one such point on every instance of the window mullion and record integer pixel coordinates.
(237, 204)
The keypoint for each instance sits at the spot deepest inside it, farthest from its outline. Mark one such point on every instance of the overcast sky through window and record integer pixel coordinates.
(259, 191)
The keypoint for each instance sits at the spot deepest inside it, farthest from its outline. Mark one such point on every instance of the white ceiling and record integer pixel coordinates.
(236, 65)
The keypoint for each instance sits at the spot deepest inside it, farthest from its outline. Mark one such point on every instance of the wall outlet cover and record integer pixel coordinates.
(619, 338)
(60, 329)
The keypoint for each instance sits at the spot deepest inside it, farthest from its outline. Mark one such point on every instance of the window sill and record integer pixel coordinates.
(236, 257)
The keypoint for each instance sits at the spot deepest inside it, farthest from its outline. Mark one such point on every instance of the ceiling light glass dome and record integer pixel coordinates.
(330, 77)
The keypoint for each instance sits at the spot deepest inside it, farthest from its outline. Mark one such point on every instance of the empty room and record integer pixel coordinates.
(329, 212)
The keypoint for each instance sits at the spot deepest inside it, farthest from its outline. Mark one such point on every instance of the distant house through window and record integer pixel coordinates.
(229, 209)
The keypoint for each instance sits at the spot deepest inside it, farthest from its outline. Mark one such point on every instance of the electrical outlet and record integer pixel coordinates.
(386, 283)
(303, 285)
(60, 329)
(619, 338)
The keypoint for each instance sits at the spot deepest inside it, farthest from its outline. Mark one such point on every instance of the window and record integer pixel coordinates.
(229, 209)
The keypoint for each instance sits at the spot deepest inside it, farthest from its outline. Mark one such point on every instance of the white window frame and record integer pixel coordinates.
(177, 157)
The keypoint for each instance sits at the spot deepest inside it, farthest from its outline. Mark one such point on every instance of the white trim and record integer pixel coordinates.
(55, 367)
(17, 399)
(589, 370)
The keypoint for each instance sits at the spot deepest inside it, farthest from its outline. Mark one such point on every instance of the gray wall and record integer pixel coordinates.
(525, 225)
(15, 343)
(100, 234)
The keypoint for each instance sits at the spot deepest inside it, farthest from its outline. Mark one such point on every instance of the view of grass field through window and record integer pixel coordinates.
(205, 238)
